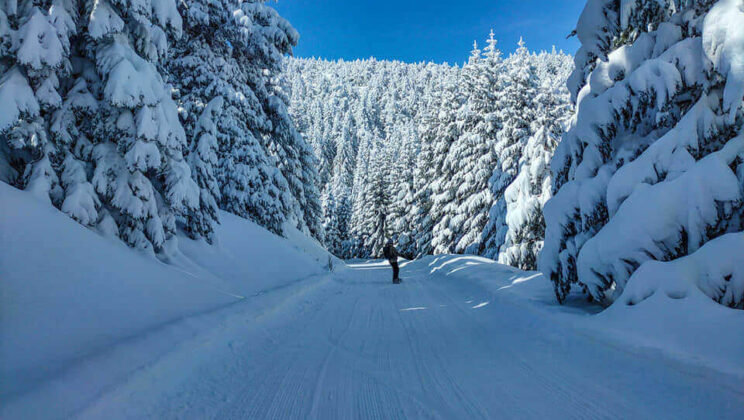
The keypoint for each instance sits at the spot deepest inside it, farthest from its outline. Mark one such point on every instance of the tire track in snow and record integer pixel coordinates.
(472, 409)
(428, 361)
(319, 383)
(273, 389)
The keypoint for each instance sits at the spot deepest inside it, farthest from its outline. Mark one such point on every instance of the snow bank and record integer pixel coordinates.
(502, 281)
(311, 247)
(662, 307)
(717, 269)
(67, 292)
(247, 259)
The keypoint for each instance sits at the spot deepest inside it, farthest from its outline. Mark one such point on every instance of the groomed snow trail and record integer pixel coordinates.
(353, 345)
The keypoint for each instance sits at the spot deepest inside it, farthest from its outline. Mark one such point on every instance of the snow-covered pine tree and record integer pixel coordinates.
(553, 70)
(324, 146)
(201, 221)
(516, 100)
(220, 56)
(473, 153)
(526, 196)
(88, 120)
(376, 196)
(458, 162)
(296, 159)
(366, 222)
(419, 213)
(651, 167)
(401, 184)
(71, 125)
(338, 212)
(67, 111)
(140, 173)
(34, 56)
(362, 169)
(330, 224)
(442, 193)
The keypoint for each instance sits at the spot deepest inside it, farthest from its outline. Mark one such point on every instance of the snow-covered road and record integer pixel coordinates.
(353, 345)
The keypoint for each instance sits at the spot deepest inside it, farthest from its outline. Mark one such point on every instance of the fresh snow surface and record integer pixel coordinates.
(66, 292)
(92, 329)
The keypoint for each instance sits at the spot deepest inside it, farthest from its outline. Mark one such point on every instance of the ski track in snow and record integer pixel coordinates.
(352, 345)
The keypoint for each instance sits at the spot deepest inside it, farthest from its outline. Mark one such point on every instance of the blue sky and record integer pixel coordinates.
(421, 30)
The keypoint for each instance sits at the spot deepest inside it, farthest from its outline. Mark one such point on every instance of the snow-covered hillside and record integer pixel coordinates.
(68, 293)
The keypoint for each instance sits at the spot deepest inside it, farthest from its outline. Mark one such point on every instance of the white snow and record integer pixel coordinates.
(93, 329)
(68, 292)
(132, 81)
(39, 43)
(248, 259)
(650, 168)
(103, 20)
(723, 36)
(16, 98)
(716, 269)
(650, 222)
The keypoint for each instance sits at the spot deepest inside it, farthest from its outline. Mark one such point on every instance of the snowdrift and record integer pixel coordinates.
(68, 292)
(667, 304)
(662, 307)
(247, 259)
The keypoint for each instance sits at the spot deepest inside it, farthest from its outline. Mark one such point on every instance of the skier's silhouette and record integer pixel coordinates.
(391, 254)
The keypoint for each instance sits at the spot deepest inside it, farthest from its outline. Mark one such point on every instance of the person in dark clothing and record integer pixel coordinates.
(391, 254)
